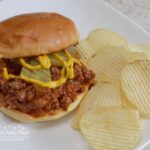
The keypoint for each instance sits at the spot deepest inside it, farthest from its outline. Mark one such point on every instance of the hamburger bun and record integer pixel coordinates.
(36, 34)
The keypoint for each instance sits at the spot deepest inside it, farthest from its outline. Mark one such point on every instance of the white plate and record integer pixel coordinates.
(87, 14)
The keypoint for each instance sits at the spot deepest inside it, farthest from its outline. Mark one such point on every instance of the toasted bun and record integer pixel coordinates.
(36, 34)
(19, 116)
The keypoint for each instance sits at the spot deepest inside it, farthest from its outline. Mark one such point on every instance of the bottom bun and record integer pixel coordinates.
(20, 116)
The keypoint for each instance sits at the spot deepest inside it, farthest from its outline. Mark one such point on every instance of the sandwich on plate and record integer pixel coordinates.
(41, 77)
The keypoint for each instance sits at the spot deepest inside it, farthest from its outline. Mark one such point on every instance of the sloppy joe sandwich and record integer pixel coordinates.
(40, 77)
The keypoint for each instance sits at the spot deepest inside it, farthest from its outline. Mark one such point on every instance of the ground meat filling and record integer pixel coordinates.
(35, 100)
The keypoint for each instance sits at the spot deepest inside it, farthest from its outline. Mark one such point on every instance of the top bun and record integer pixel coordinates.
(36, 34)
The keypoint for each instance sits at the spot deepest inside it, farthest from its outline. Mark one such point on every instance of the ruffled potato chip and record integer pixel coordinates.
(109, 63)
(136, 85)
(111, 128)
(125, 102)
(140, 48)
(101, 37)
(103, 94)
(85, 50)
(138, 56)
(96, 40)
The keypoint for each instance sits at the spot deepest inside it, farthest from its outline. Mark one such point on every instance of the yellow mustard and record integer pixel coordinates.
(44, 61)
(6, 75)
(67, 71)
(50, 84)
(28, 66)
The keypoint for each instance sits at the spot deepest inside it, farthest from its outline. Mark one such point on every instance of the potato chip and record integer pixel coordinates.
(125, 102)
(85, 50)
(140, 48)
(111, 128)
(100, 38)
(103, 94)
(136, 85)
(138, 56)
(96, 40)
(108, 63)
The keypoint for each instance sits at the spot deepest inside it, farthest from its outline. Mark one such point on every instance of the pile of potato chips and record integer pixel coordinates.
(110, 115)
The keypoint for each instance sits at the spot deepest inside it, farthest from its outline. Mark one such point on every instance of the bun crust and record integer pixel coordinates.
(36, 34)
(22, 117)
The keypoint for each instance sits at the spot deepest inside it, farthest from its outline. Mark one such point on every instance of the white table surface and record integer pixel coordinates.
(137, 10)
